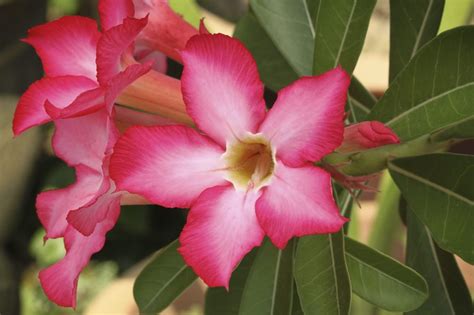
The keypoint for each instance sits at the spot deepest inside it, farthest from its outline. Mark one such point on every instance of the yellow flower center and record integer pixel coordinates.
(250, 162)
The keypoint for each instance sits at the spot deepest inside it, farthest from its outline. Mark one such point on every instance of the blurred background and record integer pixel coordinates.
(28, 167)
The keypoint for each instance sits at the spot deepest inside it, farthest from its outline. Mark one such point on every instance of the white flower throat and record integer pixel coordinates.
(250, 162)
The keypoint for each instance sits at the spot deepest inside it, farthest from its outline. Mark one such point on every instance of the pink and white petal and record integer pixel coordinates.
(298, 202)
(59, 281)
(113, 12)
(85, 219)
(221, 229)
(53, 206)
(367, 135)
(66, 46)
(113, 45)
(307, 120)
(86, 103)
(168, 165)
(84, 140)
(59, 90)
(166, 31)
(221, 87)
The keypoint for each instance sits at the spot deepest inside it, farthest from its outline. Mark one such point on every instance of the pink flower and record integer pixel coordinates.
(367, 135)
(86, 72)
(250, 174)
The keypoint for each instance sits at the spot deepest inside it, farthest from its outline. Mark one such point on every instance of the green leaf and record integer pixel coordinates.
(383, 281)
(274, 70)
(289, 23)
(412, 24)
(321, 275)
(360, 101)
(162, 280)
(462, 130)
(340, 29)
(434, 89)
(449, 294)
(269, 283)
(438, 188)
(221, 302)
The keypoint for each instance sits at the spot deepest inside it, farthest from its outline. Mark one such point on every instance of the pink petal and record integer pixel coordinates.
(59, 281)
(84, 140)
(85, 219)
(86, 103)
(66, 46)
(166, 31)
(366, 135)
(298, 202)
(54, 205)
(221, 87)
(113, 12)
(59, 90)
(113, 44)
(123, 79)
(168, 165)
(220, 230)
(307, 119)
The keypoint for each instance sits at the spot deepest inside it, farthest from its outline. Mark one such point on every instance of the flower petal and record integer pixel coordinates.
(53, 206)
(221, 229)
(367, 135)
(113, 12)
(66, 46)
(84, 140)
(59, 281)
(168, 165)
(298, 202)
(166, 31)
(221, 87)
(307, 120)
(59, 90)
(113, 44)
(85, 219)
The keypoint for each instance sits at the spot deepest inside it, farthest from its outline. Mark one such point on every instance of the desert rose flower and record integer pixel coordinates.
(86, 71)
(247, 172)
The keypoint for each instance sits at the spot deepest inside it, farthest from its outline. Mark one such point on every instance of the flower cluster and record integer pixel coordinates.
(243, 171)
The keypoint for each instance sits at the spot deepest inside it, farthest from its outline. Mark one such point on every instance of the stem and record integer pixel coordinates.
(386, 224)
(375, 160)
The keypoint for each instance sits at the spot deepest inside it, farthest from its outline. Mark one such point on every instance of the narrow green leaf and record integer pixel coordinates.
(340, 30)
(321, 275)
(434, 89)
(449, 294)
(221, 302)
(269, 283)
(383, 281)
(412, 24)
(289, 23)
(438, 188)
(360, 101)
(274, 70)
(461, 130)
(162, 280)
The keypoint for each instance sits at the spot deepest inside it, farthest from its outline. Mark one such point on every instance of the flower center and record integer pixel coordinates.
(250, 162)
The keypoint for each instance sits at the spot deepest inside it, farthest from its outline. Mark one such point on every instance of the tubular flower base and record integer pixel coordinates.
(250, 173)
(86, 71)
